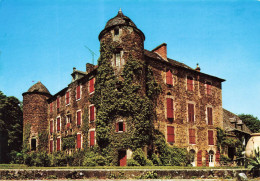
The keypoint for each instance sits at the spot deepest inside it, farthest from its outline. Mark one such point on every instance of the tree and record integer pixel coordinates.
(253, 123)
(11, 126)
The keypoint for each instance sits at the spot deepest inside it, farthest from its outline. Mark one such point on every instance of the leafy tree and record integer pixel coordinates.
(253, 123)
(11, 126)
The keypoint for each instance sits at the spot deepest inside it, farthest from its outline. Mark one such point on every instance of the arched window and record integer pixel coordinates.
(192, 156)
(211, 154)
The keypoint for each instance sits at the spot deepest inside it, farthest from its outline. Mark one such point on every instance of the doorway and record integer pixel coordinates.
(122, 158)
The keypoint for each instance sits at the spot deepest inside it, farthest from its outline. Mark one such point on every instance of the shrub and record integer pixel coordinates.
(132, 162)
(94, 159)
(58, 159)
(149, 162)
(155, 159)
(139, 156)
(16, 157)
(77, 158)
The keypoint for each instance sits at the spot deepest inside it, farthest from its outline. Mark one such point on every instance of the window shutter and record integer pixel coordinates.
(210, 137)
(207, 159)
(169, 108)
(192, 136)
(78, 92)
(210, 120)
(91, 85)
(218, 157)
(58, 144)
(58, 124)
(123, 126)
(51, 126)
(199, 158)
(169, 78)
(117, 127)
(92, 113)
(67, 97)
(51, 146)
(78, 118)
(92, 138)
(170, 134)
(78, 140)
(190, 83)
(191, 112)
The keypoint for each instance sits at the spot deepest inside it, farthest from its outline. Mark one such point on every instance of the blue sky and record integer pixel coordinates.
(42, 40)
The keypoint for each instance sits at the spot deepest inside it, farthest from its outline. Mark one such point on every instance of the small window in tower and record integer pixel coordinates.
(118, 59)
(120, 126)
(116, 31)
(33, 144)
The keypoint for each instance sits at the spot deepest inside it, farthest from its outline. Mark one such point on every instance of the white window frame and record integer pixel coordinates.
(94, 113)
(81, 140)
(94, 80)
(174, 108)
(194, 104)
(57, 143)
(57, 124)
(207, 118)
(66, 98)
(52, 126)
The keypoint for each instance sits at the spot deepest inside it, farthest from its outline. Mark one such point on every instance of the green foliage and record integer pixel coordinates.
(77, 158)
(123, 97)
(138, 155)
(132, 162)
(16, 157)
(43, 139)
(39, 159)
(11, 126)
(85, 128)
(173, 156)
(26, 137)
(68, 142)
(155, 159)
(253, 123)
(150, 175)
(94, 159)
(58, 159)
(254, 163)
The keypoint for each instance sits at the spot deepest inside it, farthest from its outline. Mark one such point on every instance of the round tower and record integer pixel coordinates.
(124, 39)
(35, 112)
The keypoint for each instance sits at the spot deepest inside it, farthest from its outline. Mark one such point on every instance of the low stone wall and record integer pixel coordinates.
(119, 173)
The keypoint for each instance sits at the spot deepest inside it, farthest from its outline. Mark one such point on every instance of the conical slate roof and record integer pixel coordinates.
(119, 20)
(39, 87)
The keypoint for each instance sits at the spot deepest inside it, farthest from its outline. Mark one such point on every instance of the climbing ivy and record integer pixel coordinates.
(26, 137)
(43, 140)
(124, 97)
(69, 142)
(85, 128)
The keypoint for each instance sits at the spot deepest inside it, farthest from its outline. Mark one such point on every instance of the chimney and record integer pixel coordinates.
(197, 68)
(161, 50)
(89, 67)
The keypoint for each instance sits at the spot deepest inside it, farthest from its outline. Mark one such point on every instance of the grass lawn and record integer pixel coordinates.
(21, 166)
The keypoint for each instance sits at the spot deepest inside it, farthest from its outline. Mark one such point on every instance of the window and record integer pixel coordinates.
(51, 146)
(51, 107)
(51, 126)
(79, 141)
(67, 97)
(191, 113)
(170, 109)
(78, 118)
(68, 121)
(91, 85)
(211, 155)
(78, 92)
(120, 126)
(58, 124)
(192, 137)
(170, 134)
(210, 137)
(92, 138)
(33, 144)
(58, 144)
(116, 31)
(209, 115)
(190, 83)
(91, 113)
(58, 103)
(208, 88)
(118, 59)
(169, 78)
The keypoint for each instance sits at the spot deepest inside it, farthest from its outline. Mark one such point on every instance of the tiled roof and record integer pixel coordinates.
(38, 87)
(155, 56)
(229, 117)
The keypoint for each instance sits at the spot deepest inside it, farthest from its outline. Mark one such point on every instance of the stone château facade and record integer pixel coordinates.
(187, 111)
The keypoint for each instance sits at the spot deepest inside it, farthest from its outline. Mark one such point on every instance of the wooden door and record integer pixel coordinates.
(122, 158)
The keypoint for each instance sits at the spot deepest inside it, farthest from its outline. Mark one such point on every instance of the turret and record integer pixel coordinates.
(35, 109)
(124, 39)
